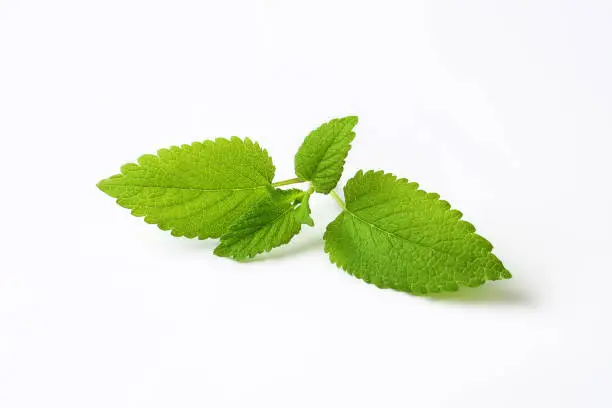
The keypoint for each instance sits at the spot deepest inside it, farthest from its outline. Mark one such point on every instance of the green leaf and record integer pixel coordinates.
(195, 190)
(302, 213)
(271, 223)
(321, 157)
(394, 235)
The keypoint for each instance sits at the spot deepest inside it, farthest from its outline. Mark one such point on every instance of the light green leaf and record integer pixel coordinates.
(302, 213)
(396, 236)
(271, 223)
(195, 190)
(321, 157)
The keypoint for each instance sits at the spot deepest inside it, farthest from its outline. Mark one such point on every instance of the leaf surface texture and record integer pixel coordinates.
(271, 223)
(195, 190)
(394, 235)
(320, 158)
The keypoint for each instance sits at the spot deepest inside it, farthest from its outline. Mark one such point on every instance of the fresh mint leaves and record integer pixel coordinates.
(320, 159)
(396, 236)
(196, 190)
(389, 233)
(269, 224)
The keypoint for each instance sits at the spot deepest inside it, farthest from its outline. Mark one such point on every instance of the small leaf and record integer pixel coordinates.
(396, 236)
(271, 223)
(320, 159)
(195, 190)
(302, 213)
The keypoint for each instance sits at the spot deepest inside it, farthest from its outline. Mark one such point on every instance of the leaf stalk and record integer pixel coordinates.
(287, 182)
(336, 197)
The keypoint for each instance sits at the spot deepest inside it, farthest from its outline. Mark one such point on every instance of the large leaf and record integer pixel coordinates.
(396, 236)
(321, 157)
(271, 223)
(195, 190)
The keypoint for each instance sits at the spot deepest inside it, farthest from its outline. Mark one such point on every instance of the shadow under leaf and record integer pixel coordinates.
(498, 292)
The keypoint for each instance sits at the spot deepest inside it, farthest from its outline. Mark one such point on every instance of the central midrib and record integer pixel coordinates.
(399, 237)
(192, 188)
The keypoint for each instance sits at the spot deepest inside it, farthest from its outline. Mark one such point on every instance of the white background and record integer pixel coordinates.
(502, 107)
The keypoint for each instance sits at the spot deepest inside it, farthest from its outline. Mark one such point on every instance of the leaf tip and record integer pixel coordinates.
(352, 119)
(106, 185)
(220, 251)
(100, 184)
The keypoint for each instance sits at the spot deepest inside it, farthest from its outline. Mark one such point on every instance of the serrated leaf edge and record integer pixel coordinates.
(345, 150)
(159, 153)
(505, 274)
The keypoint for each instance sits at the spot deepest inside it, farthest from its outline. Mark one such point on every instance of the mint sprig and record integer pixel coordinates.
(389, 232)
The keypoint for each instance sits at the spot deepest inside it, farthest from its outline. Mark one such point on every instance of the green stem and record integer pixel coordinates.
(287, 182)
(336, 197)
